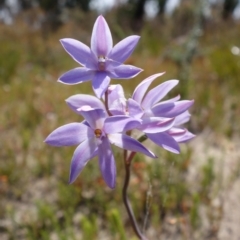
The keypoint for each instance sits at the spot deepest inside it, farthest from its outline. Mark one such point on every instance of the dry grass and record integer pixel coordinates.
(36, 201)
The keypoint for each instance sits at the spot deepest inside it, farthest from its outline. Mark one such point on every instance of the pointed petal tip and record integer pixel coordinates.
(70, 181)
(191, 102)
(63, 40)
(72, 178)
(176, 81)
(140, 70)
(137, 37)
(100, 18)
(172, 150)
(153, 155)
(157, 75)
(46, 140)
(112, 186)
(60, 81)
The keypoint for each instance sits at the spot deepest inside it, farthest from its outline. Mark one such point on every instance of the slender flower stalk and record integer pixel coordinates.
(106, 103)
(127, 164)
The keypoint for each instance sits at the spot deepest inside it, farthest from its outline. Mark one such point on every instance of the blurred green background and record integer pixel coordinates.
(193, 195)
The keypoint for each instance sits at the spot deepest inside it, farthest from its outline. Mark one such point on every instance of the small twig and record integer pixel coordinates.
(148, 205)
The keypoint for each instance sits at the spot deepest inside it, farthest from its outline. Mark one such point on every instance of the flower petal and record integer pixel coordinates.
(122, 50)
(164, 140)
(124, 71)
(128, 143)
(100, 83)
(80, 52)
(94, 117)
(177, 131)
(107, 163)
(83, 153)
(101, 41)
(77, 75)
(77, 101)
(118, 107)
(69, 134)
(181, 135)
(116, 100)
(134, 108)
(157, 93)
(156, 124)
(115, 92)
(171, 109)
(182, 118)
(116, 124)
(172, 99)
(141, 89)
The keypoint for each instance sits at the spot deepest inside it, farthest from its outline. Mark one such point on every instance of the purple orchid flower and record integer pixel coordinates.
(146, 106)
(102, 61)
(147, 125)
(94, 138)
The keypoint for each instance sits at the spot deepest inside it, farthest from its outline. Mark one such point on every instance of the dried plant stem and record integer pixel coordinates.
(127, 164)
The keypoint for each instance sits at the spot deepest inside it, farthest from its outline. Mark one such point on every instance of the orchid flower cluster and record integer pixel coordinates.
(110, 117)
